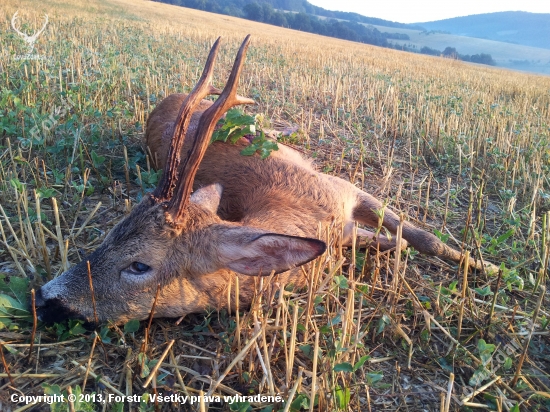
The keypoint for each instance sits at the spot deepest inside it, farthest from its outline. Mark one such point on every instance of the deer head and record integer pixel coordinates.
(174, 239)
(30, 40)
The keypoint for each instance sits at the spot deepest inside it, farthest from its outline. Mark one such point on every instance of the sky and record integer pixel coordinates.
(415, 11)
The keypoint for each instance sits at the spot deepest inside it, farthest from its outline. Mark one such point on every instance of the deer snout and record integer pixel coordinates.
(55, 309)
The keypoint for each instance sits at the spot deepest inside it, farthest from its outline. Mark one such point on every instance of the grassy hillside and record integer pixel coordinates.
(462, 150)
(517, 27)
(511, 56)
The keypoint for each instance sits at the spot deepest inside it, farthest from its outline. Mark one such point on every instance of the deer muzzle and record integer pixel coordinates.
(55, 309)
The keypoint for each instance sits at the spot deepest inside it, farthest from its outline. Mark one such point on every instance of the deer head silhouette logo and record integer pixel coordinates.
(30, 40)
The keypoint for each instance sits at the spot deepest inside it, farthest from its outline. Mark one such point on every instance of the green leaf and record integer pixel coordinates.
(382, 323)
(341, 281)
(69, 330)
(343, 397)
(336, 320)
(441, 236)
(76, 328)
(117, 407)
(505, 236)
(45, 192)
(481, 374)
(425, 301)
(425, 335)
(343, 367)
(19, 159)
(237, 117)
(97, 159)
(486, 291)
(131, 326)
(52, 390)
(260, 144)
(507, 364)
(373, 377)
(301, 402)
(17, 185)
(142, 360)
(104, 334)
(444, 364)
(360, 362)
(248, 150)
(307, 349)
(19, 287)
(11, 309)
(485, 350)
(7, 302)
(81, 405)
(515, 408)
(235, 125)
(240, 406)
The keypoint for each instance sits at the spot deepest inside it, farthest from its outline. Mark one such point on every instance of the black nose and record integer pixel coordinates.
(38, 299)
(53, 310)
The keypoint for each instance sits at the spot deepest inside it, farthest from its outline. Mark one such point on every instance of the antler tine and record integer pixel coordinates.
(202, 89)
(208, 120)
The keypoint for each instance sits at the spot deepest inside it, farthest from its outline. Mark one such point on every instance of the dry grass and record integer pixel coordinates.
(456, 147)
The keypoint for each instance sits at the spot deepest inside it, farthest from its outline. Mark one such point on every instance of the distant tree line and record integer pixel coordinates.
(301, 15)
(451, 53)
(235, 7)
(300, 18)
(347, 30)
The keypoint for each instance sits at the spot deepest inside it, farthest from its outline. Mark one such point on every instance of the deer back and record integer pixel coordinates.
(274, 193)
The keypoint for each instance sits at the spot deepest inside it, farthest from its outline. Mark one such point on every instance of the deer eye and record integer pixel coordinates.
(138, 268)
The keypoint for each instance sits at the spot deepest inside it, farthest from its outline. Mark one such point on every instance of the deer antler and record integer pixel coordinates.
(202, 89)
(176, 208)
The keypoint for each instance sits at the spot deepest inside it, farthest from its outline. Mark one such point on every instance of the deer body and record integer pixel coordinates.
(282, 192)
(246, 217)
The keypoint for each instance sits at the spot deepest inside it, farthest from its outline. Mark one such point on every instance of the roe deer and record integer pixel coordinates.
(246, 217)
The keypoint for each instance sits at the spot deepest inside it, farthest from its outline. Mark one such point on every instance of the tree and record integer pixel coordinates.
(430, 51)
(253, 11)
(450, 52)
(232, 10)
(268, 12)
(302, 22)
(279, 19)
(483, 58)
(212, 6)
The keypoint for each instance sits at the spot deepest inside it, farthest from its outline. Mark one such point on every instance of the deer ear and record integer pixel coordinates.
(208, 197)
(252, 252)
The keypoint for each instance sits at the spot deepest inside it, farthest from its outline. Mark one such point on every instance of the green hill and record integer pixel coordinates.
(511, 56)
(519, 27)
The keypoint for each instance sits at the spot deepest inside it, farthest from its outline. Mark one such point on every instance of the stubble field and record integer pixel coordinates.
(463, 151)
